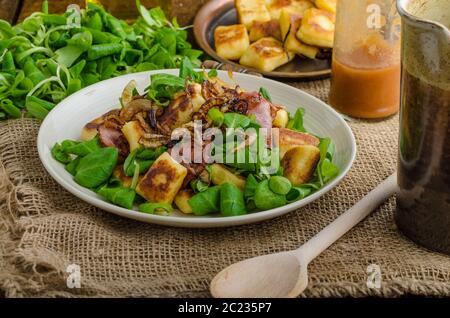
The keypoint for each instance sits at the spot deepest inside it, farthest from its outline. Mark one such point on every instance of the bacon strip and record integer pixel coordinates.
(110, 137)
(259, 107)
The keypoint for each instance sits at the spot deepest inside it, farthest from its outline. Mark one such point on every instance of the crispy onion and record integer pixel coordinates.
(112, 120)
(134, 107)
(154, 140)
(141, 119)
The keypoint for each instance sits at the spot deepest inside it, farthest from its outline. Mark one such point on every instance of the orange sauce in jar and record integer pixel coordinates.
(365, 82)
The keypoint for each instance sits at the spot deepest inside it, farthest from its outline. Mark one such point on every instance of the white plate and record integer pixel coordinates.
(66, 120)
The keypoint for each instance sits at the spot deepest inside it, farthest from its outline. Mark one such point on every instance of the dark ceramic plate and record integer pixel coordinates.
(223, 12)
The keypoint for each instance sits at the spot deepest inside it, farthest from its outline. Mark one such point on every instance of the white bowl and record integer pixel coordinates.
(66, 120)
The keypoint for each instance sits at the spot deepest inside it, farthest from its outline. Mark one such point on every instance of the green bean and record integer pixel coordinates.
(44, 8)
(156, 208)
(116, 27)
(54, 19)
(216, 116)
(76, 69)
(32, 72)
(8, 63)
(59, 154)
(99, 37)
(36, 111)
(59, 40)
(95, 22)
(101, 50)
(73, 86)
(27, 53)
(24, 87)
(133, 56)
(8, 107)
(280, 185)
(43, 103)
(31, 24)
(52, 66)
(37, 107)
(82, 40)
(6, 29)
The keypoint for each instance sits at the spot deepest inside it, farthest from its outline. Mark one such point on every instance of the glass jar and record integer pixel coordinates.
(423, 202)
(365, 79)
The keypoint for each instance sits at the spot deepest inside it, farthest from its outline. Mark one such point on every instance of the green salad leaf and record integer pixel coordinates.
(47, 57)
(296, 123)
(206, 202)
(265, 93)
(120, 196)
(95, 168)
(231, 200)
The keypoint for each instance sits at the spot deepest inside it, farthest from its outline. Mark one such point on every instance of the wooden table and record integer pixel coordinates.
(17, 10)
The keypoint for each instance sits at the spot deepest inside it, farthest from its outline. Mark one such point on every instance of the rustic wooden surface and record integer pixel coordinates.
(184, 10)
(9, 9)
(54, 6)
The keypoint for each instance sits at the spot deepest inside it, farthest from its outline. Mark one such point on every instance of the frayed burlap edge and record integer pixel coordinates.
(36, 273)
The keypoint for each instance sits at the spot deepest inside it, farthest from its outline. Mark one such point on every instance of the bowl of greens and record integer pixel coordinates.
(195, 148)
(47, 56)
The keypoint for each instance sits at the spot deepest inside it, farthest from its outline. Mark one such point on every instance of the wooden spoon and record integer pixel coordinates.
(285, 274)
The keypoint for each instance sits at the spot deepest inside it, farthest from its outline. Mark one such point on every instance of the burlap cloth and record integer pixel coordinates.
(44, 229)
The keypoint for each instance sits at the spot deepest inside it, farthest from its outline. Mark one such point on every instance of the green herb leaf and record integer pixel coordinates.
(298, 193)
(81, 148)
(265, 93)
(231, 200)
(198, 185)
(250, 186)
(234, 120)
(163, 87)
(296, 123)
(206, 202)
(280, 185)
(266, 199)
(120, 196)
(95, 168)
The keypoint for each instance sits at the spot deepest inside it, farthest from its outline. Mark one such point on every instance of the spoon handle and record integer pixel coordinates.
(331, 233)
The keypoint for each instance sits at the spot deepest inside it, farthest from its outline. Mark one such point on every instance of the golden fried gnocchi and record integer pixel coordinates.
(290, 139)
(181, 200)
(163, 180)
(264, 29)
(266, 54)
(329, 5)
(133, 132)
(299, 163)
(294, 6)
(317, 28)
(221, 175)
(251, 10)
(289, 24)
(231, 41)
